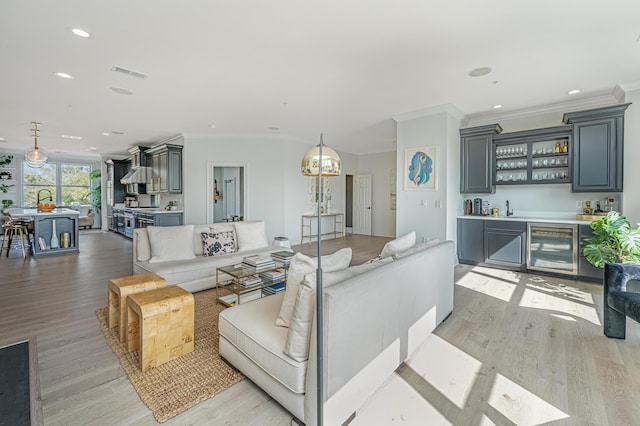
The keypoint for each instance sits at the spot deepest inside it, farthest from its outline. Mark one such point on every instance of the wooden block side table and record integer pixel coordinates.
(160, 323)
(120, 288)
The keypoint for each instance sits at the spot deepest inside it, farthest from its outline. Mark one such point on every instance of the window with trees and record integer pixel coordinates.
(68, 183)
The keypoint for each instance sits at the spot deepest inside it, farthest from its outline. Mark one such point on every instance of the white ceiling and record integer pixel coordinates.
(344, 68)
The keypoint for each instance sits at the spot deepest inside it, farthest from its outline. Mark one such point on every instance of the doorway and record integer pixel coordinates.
(226, 199)
(358, 204)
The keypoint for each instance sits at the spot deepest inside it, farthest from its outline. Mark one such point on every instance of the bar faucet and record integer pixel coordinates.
(50, 197)
(509, 212)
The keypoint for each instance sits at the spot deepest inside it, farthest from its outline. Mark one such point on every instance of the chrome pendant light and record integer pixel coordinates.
(320, 161)
(36, 157)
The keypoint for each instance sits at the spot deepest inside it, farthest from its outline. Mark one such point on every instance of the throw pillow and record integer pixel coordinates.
(218, 243)
(399, 244)
(300, 266)
(251, 235)
(171, 243)
(142, 246)
(299, 335)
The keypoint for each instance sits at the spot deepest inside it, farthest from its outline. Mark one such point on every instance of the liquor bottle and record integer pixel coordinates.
(54, 236)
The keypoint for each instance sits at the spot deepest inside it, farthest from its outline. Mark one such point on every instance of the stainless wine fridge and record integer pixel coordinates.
(552, 247)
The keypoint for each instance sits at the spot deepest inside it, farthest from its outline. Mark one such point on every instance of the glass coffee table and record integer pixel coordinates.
(244, 283)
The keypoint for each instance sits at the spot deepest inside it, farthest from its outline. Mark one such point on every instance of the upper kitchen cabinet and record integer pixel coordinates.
(165, 161)
(476, 159)
(598, 139)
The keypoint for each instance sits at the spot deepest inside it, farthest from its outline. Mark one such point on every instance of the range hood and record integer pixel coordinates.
(137, 175)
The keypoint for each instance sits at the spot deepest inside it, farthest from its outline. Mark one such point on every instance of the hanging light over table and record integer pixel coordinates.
(36, 157)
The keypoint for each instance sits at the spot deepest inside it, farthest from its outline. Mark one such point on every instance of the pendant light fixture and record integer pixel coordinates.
(36, 157)
(320, 161)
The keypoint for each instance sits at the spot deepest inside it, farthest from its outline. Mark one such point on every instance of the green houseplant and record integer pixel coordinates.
(96, 192)
(614, 241)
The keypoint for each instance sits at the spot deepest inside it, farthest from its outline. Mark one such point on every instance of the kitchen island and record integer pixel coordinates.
(64, 221)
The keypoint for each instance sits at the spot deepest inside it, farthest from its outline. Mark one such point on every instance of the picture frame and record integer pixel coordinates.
(420, 169)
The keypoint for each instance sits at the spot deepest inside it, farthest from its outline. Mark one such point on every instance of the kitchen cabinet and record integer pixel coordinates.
(471, 241)
(167, 219)
(477, 159)
(165, 161)
(586, 271)
(505, 243)
(598, 140)
(539, 156)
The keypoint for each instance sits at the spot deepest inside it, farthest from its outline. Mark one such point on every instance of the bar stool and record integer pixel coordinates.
(13, 229)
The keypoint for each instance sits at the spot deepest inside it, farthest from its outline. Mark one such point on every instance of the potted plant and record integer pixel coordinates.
(614, 241)
(5, 175)
(7, 203)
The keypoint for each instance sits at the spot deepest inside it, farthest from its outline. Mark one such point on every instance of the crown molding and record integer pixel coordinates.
(629, 86)
(426, 112)
(577, 105)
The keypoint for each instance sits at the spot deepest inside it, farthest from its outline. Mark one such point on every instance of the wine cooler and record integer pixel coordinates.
(552, 247)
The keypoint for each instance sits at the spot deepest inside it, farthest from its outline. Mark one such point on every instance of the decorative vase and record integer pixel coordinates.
(54, 236)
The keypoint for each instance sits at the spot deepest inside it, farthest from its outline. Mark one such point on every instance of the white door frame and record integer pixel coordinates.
(245, 191)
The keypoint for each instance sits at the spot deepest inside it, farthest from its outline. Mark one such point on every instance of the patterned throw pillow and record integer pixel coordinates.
(218, 243)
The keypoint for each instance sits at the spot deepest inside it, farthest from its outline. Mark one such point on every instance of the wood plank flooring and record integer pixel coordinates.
(518, 349)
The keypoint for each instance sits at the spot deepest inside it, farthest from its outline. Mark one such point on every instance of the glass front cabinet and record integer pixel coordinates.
(533, 156)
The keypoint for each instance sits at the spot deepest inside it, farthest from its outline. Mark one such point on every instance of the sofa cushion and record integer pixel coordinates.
(301, 265)
(143, 246)
(250, 328)
(415, 249)
(297, 343)
(299, 335)
(399, 244)
(251, 235)
(171, 243)
(218, 243)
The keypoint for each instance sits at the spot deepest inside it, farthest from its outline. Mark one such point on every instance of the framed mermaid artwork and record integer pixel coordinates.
(420, 166)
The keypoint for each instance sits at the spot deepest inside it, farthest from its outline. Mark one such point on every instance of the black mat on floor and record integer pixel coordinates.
(14, 385)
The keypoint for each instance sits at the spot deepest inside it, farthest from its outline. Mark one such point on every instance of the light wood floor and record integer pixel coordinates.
(518, 349)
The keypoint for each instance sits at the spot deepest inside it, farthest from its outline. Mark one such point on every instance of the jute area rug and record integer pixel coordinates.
(179, 384)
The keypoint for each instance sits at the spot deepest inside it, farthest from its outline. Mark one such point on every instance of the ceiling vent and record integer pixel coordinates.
(129, 72)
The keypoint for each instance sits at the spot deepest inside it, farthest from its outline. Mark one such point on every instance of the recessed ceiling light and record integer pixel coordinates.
(479, 72)
(115, 132)
(63, 75)
(121, 91)
(213, 126)
(498, 106)
(3, 140)
(106, 133)
(273, 128)
(71, 137)
(80, 32)
(573, 92)
(93, 148)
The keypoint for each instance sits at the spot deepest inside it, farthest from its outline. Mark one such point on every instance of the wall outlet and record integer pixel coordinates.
(579, 204)
(424, 203)
(437, 204)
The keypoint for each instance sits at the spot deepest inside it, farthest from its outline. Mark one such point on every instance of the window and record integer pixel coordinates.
(58, 183)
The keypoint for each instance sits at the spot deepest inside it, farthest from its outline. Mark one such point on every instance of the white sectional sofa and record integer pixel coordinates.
(373, 320)
(176, 252)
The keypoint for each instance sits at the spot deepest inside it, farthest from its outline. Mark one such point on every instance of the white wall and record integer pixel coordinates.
(440, 129)
(276, 190)
(379, 166)
(631, 199)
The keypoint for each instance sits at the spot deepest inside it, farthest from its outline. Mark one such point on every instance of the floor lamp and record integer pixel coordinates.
(320, 161)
